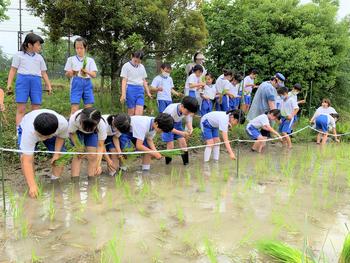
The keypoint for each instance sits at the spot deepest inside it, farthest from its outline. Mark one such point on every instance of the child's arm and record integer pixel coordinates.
(301, 102)
(145, 85)
(58, 147)
(47, 81)
(270, 129)
(155, 89)
(197, 85)
(228, 145)
(335, 135)
(141, 147)
(11, 76)
(100, 149)
(123, 95)
(174, 92)
(27, 162)
(2, 106)
(92, 74)
(295, 112)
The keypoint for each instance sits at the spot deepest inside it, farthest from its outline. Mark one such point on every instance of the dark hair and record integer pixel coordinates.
(31, 38)
(297, 86)
(275, 112)
(283, 90)
(138, 54)
(238, 77)
(254, 71)
(227, 72)
(328, 101)
(196, 68)
(165, 122)
(190, 104)
(196, 55)
(237, 114)
(335, 116)
(89, 119)
(165, 65)
(80, 39)
(210, 75)
(46, 123)
(122, 122)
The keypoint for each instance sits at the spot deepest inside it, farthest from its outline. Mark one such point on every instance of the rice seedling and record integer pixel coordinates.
(40, 185)
(210, 251)
(180, 215)
(118, 179)
(128, 192)
(345, 253)
(64, 159)
(282, 252)
(111, 253)
(96, 192)
(35, 258)
(188, 178)
(93, 232)
(172, 153)
(52, 210)
(130, 158)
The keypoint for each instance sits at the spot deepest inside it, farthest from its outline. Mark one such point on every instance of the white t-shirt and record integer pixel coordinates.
(141, 127)
(135, 75)
(331, 122)
(210, 91)
(293, 96)
(174, 111)
(223, 84)
(234, 89)
(74, 126)
(217, 119)
(167, 84)
(259, 122)
(248, 81)
(288, 106)
(28, 64)
(29, 136)
(322, 110)
(110, 131)
(192, 79)
(75, 63)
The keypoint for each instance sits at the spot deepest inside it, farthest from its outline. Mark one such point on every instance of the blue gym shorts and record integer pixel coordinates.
(135, 96)
(29, 86)
(81, 88)
(208, 131)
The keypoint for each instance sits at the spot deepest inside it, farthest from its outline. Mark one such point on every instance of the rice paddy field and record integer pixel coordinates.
(198, 213)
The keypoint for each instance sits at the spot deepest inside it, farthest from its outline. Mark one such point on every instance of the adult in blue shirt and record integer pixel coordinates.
(265, 97)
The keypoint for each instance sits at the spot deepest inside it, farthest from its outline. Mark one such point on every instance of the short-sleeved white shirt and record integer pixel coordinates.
(210, 91)
(174, 111)
(223, 84)
(259, 122)
(234, 89)
(217, 119)
(110, 131)
(76, 63)
(331, 122)
(74, 125)
(167, 84)
(28, 64)
(135, 74)
(248, 81)
(142, 127)
(293, 96)
(192, 79)
(30, 137)
(288, 106)
(322, 110)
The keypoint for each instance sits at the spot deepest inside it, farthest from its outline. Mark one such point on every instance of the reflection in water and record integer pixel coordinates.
(167, 213)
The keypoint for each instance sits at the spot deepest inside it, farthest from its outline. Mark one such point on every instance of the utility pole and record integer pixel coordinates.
(20, 26)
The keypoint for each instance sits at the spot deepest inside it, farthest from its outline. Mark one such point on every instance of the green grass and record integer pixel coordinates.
(52, 210)
(111, 253)
(210, 251)
(345, 253)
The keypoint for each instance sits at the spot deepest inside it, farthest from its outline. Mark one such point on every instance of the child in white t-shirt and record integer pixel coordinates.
(208, 94)
(248, 86)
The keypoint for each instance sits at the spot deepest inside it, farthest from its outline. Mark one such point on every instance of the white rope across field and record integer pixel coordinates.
(164, 151)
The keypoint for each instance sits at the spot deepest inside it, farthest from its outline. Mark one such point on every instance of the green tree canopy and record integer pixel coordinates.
(305, 42)
(3, 8)
(115, 28)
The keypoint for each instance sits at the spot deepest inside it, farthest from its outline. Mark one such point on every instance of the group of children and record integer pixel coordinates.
(230, 96)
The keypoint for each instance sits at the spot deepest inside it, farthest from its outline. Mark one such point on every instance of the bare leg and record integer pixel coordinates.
(35, 106)
(76, 164)
(139, 110)
(57, 170)
(131, 112)
(88, 105)
(21, 110)
(318, 138)
(170, 145)
(324, 138)
(74, 108)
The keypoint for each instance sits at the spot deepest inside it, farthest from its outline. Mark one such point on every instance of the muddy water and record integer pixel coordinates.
(176, 213)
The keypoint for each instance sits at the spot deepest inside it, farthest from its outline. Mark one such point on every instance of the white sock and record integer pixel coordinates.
(53, 177)
(216, 152)
(146, 167)
(207, 153)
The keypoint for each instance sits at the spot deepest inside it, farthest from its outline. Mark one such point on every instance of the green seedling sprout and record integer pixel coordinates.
(52, 210)
(180, 215)
(172, 153)
(65, 159)
(35, 258)
(345, 253)
(210, 251)
(96, 193)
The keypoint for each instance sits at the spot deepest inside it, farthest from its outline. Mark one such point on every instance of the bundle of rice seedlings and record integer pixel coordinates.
(84, 66)
(172, 153)
(345, 254)
(66, 158)
(129, 158)
(283, 253)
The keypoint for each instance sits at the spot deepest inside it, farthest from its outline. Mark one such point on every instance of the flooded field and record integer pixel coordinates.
(200, 213)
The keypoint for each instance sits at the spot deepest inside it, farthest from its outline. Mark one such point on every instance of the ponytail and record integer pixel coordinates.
(31, 38)
(237, 114)
(89, 119)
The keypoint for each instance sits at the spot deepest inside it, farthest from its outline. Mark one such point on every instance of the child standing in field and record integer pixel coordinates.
(208, 94)
(212, 123)
(194, 82)
(164, 86)
(45, 126)
(248, 86)
(140, 130)
(262, 122)
(30, 68)
(235, 98)
(134, 84)
(178, 111)
(289, 108)
(223, 86)
(81, 69)
(90, 129)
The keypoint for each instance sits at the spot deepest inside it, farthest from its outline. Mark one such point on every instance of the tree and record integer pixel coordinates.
(3, 8)
(305, 42)
(113, 28)
(55, 54)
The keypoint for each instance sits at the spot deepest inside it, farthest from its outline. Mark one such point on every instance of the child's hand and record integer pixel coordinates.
(149, 95)
(289, 117)
(158, 156)
(337, 140)
(302, 101)
(49, 90)
(160, 89)
(33, 191)
(186, 134)
(98, 171)
(232, 156)
(122, 98)
(54, 158)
